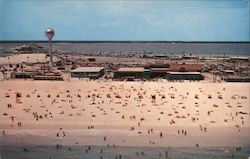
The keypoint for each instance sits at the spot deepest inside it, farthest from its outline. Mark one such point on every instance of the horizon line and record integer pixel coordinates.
(118, 41)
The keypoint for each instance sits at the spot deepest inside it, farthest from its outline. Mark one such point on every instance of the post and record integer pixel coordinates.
(50, 53)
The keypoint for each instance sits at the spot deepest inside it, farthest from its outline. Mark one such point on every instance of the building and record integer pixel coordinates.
(175, 67)
(87, 72)
(240, 58)
(159, 72)
(237, 79)
(32, 75)
(184, 76)
(228, 72)
(48, 77)
(21, 75)
(156, 70)
(172, 71)
(132, 72)
(91, 59)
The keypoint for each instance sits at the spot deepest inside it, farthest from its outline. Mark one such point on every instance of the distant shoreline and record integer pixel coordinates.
(210, 48)
(116, 41)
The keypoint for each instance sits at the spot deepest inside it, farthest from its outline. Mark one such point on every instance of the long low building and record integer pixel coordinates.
(48, 77)
(22, 74)
(237, 79)
(178, 72)
(87, 72)
(32, 75)
(135, 72)
(176, 67)
(185, 76)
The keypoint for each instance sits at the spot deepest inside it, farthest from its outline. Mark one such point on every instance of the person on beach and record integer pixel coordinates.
(197, 145)
(142, 153)
(166, 154)
(161, 134)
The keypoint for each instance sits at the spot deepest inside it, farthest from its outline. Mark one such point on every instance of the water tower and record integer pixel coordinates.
(49, 32)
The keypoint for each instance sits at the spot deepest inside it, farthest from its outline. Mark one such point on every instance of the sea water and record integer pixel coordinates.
(167, 48)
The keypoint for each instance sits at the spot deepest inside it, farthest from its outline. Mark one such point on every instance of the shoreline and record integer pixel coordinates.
(84, 137)
(97, 152)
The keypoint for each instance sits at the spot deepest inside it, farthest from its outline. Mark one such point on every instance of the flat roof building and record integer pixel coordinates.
(21, 74)
(125, 72)
(175, 67)
(240, 58)
(131, 69)
(185, 76)
(87, 72)
(237, 79)
(157, 70)
(172, 72)
(228, 72)
(48, 77)
(36, 76)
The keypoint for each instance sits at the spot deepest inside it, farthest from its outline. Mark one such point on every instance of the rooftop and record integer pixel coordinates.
(228, 71)
(131, 69)
(197, 73)
(160, 69)
(187, 67)
(88, 69)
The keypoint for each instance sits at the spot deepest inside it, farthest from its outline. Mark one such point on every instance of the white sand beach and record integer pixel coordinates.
(125, 113)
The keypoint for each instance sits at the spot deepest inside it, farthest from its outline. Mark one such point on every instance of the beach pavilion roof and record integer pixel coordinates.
(130, 69)
(88, 69)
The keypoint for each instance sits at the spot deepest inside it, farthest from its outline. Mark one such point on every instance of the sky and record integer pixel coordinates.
(170, 20)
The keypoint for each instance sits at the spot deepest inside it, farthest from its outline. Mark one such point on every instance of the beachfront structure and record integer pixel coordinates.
(132, 72)
(161, 71)
(48, 77)
(185, 76)
(240, 58)
(175, 67)
(19, 75)
(228, 72)
(237, 79)
(32, 75)
(87, 72)
(156, 70)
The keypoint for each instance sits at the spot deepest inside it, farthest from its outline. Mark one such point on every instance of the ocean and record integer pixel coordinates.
(153, 47)
(78, 152)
